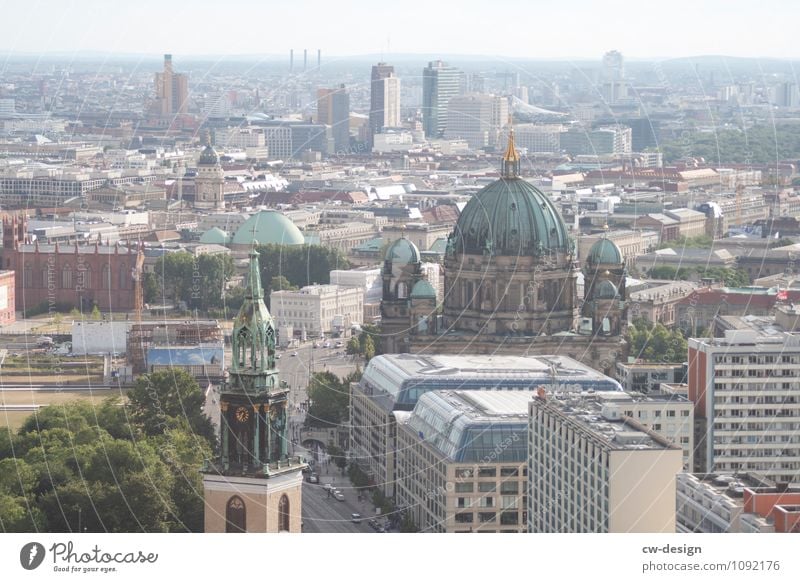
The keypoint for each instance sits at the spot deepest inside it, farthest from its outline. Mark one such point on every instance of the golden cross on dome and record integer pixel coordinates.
(511, 154)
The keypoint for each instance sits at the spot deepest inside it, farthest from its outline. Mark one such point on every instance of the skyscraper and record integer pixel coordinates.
(614, 87)
(440, 83)
(384, 101)
(172, 91)
(333, 108)
(476, 118)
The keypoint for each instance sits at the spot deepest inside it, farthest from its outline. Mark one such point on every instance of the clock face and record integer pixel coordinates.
(242, 414)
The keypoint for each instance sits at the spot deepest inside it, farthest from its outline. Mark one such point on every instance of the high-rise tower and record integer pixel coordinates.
(384, 99)
(172, 91)
(253, 485)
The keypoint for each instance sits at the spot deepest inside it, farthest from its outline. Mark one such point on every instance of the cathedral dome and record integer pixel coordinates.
(606, 290)
(402, 251)
(208, 157)
(604, 252)
(510, 217)
(268, 227)
(423, 290)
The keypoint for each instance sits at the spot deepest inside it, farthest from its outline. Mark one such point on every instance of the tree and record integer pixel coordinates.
(374, 333)
(298, 265)
(151, 290)
(199, 281)
(407, 525)
(353, 346)
(655, 343)
(369, 348)
(330, 400)
(96, 315)
(281, 283)
(170, 399)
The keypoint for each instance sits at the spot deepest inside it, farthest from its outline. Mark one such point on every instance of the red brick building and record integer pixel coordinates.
(79, 276)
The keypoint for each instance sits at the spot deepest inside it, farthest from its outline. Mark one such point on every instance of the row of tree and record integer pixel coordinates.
(729, 277)
(759, 144)
(203, 281)
(121, 466)
(656, 343)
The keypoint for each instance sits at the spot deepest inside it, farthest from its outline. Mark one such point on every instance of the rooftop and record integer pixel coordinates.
(601, 422)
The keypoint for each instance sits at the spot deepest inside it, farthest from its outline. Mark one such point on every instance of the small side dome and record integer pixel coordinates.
(208, 157)
(402, 251)
(604, 252)
(215, 236)
(606, 290)
(423, 290)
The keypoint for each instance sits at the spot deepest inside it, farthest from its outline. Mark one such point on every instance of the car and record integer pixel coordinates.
(373, 523)
(355, 517)
(294, 354)
(339, 345)
(338, 495)
(277, 356)
(327, 344)
(327, 487)
(313, 479)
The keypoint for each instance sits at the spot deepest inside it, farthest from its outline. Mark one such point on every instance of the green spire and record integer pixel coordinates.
(254, 290)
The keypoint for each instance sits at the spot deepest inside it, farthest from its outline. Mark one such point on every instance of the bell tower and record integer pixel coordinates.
(253, 485)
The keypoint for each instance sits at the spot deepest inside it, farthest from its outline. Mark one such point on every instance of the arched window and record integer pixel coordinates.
(105, 277)
(28, 275)
(124, 275)
(66, 277)
(235, 516)
(402, 290)
(283, 514)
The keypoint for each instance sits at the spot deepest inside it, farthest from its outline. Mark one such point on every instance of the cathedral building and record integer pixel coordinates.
(209, 183)
(510, 284)
(254, 485)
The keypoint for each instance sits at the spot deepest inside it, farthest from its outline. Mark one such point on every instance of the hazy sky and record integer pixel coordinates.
(515, 28)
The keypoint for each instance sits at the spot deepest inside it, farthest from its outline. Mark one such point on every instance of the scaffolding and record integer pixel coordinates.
(144, 335)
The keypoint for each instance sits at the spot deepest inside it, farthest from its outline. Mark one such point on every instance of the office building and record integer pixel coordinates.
(746, 391)
(172, 91)
(384, 99)
(461, 461)
(333, 108)
(440, 83)
(741, 503)
(477, 118)
(319, 309)
(396, 382)
(591, 468)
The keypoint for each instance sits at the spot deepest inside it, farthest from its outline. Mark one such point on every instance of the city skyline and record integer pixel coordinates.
(685, 30)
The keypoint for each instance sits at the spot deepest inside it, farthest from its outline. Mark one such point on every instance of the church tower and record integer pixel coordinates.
(209, 184)
(253, 485)
(604, 289)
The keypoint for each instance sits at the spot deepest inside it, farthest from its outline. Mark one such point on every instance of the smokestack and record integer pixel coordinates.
(305, 59)
(319, 57)
(291, 60)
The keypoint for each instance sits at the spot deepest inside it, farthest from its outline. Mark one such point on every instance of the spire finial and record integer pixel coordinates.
(511, 157)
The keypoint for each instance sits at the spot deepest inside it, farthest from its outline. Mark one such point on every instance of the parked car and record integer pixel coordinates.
(339, 345)
(373, 523)
(355, 517)
(328, 487)
(338, 495)
(327, 344)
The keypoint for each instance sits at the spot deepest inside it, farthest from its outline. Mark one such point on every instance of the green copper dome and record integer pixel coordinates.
(402, 251)
(215, 236)
(510, 217)
(208, 157)
(423, 290)
(268, 227)
(606, 290)
(604, 252)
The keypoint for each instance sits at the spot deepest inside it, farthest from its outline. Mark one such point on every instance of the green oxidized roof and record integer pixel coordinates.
(215, 236)
(208, 157)
(606, 290)
(268, 227)
(510, 217)
(604, 252)
(423, 290)
(402, 251)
